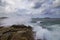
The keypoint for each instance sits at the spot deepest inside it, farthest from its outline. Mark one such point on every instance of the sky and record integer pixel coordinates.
(34, 8)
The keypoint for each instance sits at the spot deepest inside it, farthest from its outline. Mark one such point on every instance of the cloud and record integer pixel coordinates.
(2, 3)
(37, 5)
(2, 8)
(56, 3)
(13, 5)
(33, 7)
(55, 7)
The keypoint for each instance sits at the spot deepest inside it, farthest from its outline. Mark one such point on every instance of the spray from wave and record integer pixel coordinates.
(41, 33)
(15, 20)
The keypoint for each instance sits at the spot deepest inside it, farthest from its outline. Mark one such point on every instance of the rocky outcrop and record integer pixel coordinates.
(16, 32)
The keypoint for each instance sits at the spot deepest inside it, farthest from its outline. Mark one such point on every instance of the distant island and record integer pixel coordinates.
(3, 17)
(46, 20)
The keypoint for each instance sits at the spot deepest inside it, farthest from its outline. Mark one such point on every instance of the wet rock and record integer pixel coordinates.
(17, 32)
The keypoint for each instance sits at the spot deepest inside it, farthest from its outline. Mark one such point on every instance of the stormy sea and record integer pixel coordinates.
(48, 26)
(51, 24)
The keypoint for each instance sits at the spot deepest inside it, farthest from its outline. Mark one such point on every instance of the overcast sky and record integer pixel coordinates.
(34, 8)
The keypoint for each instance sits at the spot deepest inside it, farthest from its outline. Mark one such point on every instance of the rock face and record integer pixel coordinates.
(16, 32)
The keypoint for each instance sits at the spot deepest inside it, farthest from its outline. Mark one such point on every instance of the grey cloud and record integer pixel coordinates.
(2, 3)
(58, 6)
(56, 3)
(2, 8)
(37, 5)
(42, 6)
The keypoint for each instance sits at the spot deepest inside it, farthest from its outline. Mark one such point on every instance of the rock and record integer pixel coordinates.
(17, 32)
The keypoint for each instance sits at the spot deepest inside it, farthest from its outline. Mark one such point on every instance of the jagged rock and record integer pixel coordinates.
(16, 32)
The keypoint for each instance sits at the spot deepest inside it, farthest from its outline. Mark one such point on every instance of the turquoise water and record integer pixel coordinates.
(55, 30)
(53, 27)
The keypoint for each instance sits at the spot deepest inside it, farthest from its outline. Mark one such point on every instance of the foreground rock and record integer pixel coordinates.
(16, 32)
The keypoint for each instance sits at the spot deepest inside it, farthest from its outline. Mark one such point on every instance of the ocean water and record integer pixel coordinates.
(54, 30)
(43, 32)
(49, 32)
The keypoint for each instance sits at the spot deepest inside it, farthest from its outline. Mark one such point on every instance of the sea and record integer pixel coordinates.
(54, 29)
